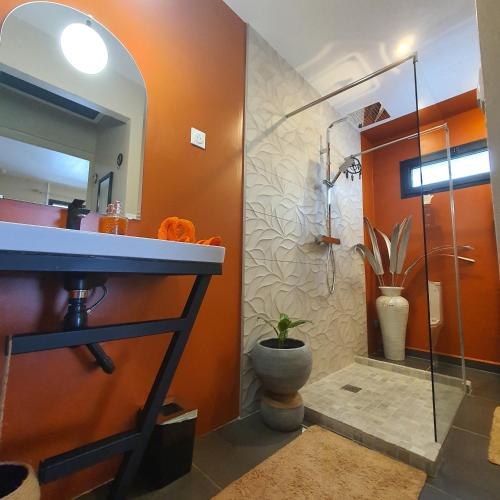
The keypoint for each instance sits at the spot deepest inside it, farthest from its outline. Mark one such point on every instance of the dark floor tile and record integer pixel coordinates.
(251, 431)
(219, 460)
(228, 453)
(476, 414)
(444, 368)
(429, 492)
(97, 494)
(465, 471)
(192, 486)
(450, 369)
(484, 384)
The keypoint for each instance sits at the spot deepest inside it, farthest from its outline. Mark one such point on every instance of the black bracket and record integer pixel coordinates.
(132, 443)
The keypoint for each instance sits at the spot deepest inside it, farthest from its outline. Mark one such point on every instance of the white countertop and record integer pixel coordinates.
(41, 239)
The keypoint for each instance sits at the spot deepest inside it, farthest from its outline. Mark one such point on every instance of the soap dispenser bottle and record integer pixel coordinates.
(114, 221)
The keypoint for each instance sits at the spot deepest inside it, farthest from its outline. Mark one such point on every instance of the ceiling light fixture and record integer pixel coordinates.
(405, 46)
(84, 48)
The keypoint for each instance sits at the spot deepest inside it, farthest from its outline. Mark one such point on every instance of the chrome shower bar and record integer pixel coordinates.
(400, 139)
(353, 84)
(349, 158)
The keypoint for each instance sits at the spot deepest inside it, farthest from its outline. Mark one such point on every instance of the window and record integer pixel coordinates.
(58, 203)
(470, 165)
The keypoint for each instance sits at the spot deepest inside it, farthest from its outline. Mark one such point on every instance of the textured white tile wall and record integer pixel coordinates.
(285, 209)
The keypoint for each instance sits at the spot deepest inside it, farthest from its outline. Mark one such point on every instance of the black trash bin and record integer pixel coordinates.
(169, 454)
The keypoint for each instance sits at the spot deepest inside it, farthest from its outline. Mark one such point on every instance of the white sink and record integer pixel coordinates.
(41, 239)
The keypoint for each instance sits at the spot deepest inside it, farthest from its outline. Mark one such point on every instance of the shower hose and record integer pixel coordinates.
(331, 270)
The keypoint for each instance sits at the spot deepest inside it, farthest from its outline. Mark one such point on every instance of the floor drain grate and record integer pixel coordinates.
(351, 388)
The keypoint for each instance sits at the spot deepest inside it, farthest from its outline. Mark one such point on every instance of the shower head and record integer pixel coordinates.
(350, 167)
(361, 118)
(367, 115)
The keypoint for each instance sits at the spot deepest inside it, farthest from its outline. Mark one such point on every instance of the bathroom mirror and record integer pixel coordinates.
(72, 111)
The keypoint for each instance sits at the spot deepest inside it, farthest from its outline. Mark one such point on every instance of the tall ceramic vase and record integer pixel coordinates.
(392, 310)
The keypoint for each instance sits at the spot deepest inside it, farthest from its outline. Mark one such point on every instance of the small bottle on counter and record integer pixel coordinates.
(114, 221)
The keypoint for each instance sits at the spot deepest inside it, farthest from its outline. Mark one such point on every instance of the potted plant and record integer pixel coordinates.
(392, 308)
(283, 365)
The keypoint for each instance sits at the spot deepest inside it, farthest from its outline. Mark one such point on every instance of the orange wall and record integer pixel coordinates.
(474, 223)
(192, 55)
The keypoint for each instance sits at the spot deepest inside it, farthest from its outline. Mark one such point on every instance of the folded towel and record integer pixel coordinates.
(175, 229)
(215, 241)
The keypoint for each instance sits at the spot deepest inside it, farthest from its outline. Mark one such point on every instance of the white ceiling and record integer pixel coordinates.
(25, 160)
(334, 42)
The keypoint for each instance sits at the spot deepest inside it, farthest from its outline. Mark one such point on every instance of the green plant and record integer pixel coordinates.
(282, 325)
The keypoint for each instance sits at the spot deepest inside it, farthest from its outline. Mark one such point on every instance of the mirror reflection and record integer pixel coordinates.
(72, 111)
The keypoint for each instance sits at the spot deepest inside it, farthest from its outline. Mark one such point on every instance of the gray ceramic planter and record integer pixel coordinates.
(18, 482)
(282, 371)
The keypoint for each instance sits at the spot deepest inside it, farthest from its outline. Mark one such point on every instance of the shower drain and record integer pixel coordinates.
(351, 388)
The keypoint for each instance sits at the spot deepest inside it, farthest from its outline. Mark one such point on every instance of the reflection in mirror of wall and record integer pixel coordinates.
(72, 111)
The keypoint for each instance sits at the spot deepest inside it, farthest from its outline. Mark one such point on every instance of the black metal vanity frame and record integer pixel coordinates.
(134, 442)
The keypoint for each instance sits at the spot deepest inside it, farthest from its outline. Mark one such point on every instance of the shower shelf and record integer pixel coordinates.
(94, 267)
(328, 240)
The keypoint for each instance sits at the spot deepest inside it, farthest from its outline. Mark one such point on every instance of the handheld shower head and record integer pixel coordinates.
(351, 166)
(345, 165)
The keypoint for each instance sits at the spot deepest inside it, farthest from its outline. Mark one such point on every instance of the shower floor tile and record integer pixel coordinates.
(391, 413)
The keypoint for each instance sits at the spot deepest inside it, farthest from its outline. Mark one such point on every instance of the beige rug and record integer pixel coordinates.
(494, 449)
(321, 465)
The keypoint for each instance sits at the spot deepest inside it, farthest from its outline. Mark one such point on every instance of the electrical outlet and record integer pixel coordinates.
(198, 138)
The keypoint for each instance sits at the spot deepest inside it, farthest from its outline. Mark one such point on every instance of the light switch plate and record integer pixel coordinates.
(198, 138)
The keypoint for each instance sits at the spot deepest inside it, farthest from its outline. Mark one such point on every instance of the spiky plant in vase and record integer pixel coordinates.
(392, 308)
(283, 365)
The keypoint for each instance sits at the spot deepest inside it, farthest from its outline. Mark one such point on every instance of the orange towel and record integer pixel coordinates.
(175, 229)
(215, 241)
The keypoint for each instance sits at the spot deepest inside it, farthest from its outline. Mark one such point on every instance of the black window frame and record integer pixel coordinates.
(406, 167)
(58, 203)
